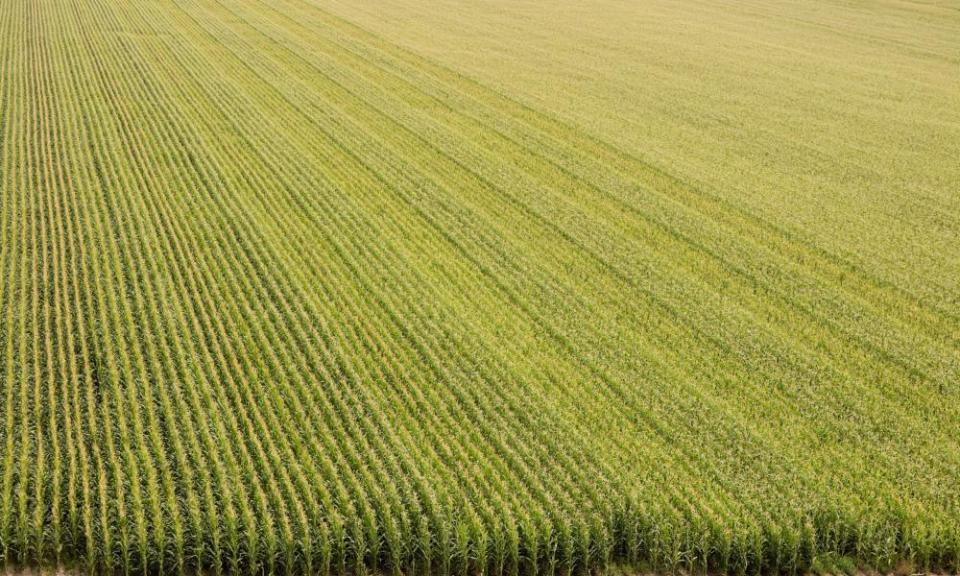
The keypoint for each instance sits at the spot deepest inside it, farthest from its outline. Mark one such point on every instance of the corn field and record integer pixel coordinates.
(457, 288)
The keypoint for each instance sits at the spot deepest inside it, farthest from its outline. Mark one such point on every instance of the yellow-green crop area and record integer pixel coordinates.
(489, 286)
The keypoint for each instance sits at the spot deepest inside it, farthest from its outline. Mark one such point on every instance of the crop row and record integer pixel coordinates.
(279, 296)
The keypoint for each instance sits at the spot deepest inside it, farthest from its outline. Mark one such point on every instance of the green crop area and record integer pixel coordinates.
(470, 287)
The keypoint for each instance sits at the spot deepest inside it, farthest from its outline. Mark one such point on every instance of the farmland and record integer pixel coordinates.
(410, 287)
